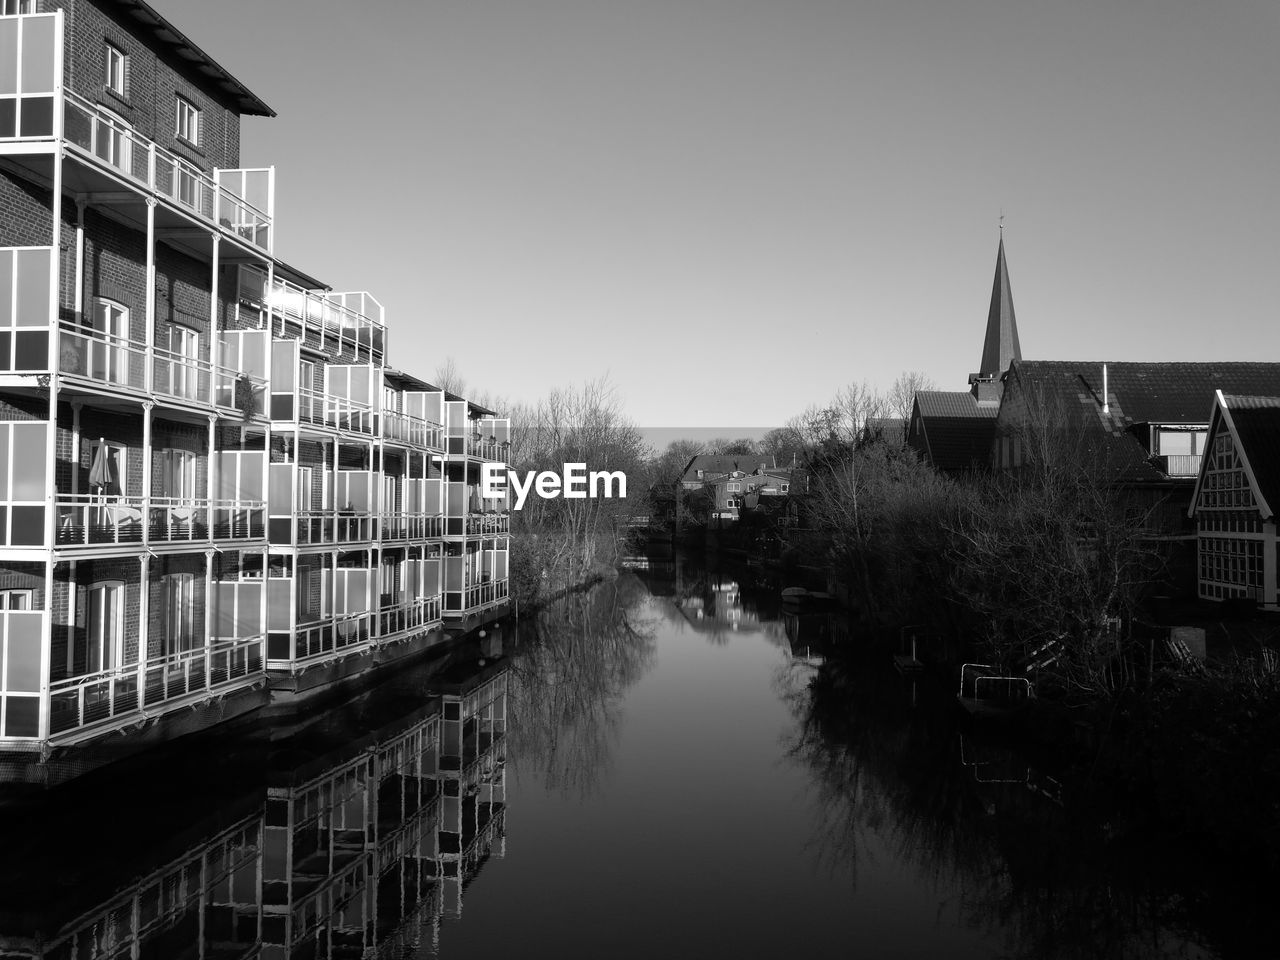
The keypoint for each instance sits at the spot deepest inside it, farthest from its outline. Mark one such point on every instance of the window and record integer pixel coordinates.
(10, 7)
(104, 626)
(186, 185)
(108, 350)
(15, 599)
(735, 488)
(115, 61)
(178, 475)
(113, 477)
(177, 592)
(785, 487)
(188, 125)
(184, 356)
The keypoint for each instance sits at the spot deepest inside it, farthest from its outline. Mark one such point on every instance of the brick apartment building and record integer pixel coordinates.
(212, 486)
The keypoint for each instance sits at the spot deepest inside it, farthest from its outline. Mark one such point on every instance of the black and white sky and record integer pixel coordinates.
(735, 207)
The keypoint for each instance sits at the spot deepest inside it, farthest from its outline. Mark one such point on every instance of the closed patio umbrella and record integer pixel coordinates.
(100, 469)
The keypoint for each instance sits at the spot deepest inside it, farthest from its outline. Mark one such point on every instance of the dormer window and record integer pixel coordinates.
(115, 60)
(188, 123)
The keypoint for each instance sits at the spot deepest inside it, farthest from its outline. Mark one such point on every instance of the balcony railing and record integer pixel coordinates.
(317, 638)
(323, 526)
(316, 318)
(94, 520)
(111, 143)
(486, 524)
(410, 615)
(482, 594)
(486, 448)
(1182, 464)
(101, 359)
(402, 428)
(412, 526)
(116, 693)
(338, 413)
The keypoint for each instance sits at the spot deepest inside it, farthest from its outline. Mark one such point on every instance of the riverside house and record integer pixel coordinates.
(213, 489)
(1234, 504)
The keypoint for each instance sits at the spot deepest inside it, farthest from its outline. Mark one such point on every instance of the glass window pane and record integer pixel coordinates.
(8, 118)
(37, 117)
(4, 461)
(8, 56)
(37, 56)
(32, 351)
(28, 461)
(22, 652)
(22, 716)
(28, 527)
(33, 288)
(6, 286)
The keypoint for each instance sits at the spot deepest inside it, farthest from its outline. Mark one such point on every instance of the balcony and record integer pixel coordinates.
(488, 524)
(157, 686)
(327, 321)
(417, 614)
(329, 635)
(108, 142)
(96, 521)
(316, 527)
(476, 595)
(102, 361)
(1180, 465)
(411, 526)
(410, 431)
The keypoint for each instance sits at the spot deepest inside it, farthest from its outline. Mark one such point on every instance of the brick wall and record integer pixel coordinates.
(154, 80)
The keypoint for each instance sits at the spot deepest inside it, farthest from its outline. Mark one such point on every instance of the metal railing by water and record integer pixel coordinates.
(412, 526)
(411, 431)
(408, 616)
(77, 702)
(318, 638)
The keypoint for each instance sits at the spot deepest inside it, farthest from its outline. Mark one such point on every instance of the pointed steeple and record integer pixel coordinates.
(1000, 345)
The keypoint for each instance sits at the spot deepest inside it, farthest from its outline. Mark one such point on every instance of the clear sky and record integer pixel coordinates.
(735, 207)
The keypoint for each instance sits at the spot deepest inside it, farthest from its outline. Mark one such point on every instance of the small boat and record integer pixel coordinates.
(799, 596)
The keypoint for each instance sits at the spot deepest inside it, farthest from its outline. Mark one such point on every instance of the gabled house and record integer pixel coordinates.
(704, 468)
(1145, 422)
(1235, 498)
(953, 429)
(733, 490)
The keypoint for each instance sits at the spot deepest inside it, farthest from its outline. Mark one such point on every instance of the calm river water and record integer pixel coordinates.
(667, 766)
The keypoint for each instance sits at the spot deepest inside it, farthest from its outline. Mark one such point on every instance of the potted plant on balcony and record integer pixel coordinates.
(244, 399)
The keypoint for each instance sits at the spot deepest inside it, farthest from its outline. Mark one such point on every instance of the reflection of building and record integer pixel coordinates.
(209, 476)
(359, 852)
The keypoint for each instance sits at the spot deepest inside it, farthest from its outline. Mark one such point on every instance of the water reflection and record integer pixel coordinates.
(577, 659)
(357, 841)
(974, 816)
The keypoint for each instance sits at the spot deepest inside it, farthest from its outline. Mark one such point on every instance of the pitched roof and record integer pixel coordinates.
(205, 71)
(953, 403)
(1000, 346)
(712, 464)
(1257, 425)
(1153, 392)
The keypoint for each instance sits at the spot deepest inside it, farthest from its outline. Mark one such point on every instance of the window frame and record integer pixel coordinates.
(27, 595)
(189, 131)
(117, 68)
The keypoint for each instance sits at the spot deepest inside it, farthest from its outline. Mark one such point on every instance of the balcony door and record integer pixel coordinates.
(104, 626)
(108, 351)
(115, 477)
(184, 356)
(177, 604)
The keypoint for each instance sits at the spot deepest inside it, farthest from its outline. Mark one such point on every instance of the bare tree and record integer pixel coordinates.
(1057, 550)
(902, 394)
(449, 378)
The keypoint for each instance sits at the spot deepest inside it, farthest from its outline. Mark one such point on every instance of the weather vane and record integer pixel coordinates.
(1002, 220)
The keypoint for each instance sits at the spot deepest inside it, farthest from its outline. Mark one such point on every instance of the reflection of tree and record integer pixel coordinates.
(1047, 879)
(575, 662)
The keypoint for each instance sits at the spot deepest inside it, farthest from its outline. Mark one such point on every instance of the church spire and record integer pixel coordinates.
(1000, 345)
